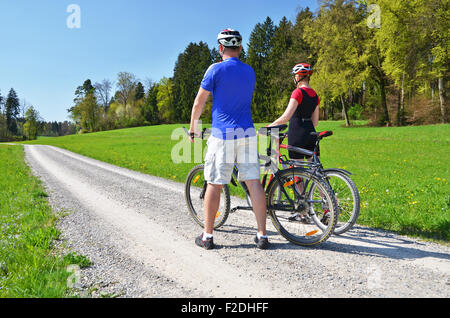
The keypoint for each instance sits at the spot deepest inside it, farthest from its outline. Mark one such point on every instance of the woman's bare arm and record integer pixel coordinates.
(288, 113)
(315, 117)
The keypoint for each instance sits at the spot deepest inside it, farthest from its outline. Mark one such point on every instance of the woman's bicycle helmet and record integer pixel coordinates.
(302, 69)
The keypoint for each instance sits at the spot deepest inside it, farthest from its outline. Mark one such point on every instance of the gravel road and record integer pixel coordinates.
(136, 230)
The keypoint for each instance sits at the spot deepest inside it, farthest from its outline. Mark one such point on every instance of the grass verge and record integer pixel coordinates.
(29, 266)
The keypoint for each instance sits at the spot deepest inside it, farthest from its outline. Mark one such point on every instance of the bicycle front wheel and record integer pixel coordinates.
(302, 207)
(347, 199)
(195, 189)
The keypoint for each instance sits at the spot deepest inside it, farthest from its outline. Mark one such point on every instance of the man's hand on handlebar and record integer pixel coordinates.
(194, 133)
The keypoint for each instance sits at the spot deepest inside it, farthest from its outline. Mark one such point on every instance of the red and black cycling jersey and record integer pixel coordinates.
(306, 104)
(300, 125)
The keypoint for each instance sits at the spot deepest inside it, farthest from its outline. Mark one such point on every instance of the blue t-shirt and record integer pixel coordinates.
(232, 83)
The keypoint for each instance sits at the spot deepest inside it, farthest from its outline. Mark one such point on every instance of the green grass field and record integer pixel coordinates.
(402, 172)
(29, 266)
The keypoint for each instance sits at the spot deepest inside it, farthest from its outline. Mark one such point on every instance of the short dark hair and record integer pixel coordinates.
(231, 48)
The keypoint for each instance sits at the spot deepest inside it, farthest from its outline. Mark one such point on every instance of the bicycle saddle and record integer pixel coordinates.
(322, 134)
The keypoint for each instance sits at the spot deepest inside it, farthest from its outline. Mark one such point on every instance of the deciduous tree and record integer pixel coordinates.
(103, 93)
(31, 126)
(126, 83)
(164, 98)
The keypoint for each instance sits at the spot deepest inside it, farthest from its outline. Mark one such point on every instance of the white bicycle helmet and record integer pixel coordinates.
(230, 38)
(302, 69)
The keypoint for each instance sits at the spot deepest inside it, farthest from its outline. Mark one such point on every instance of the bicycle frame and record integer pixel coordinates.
(275, 175)
(314, 165)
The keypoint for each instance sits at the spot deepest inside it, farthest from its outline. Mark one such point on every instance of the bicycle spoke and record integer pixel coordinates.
(299, 210)
(195, 190)
(347, 198)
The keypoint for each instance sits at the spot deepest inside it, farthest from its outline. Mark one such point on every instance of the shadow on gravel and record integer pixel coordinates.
(251, 232)
(379, 243)
(359, 241)
(251, 245)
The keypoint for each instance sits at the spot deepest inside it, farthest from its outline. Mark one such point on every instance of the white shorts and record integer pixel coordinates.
(222, 155)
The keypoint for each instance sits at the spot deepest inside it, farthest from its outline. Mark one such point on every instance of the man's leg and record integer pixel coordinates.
(217, 173)
(212, 202)
(258, 199)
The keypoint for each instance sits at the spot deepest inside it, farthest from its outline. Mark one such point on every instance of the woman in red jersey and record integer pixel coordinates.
(302, 113)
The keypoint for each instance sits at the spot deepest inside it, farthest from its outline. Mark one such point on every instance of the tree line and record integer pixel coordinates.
(385, 71)
(21, 121)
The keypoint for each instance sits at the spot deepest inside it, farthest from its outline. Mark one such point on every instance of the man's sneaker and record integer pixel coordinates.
(207, 245)
(262, 243)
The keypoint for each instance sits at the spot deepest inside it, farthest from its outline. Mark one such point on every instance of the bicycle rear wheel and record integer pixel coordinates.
(195, 189)
(347, 199)
(305, 213)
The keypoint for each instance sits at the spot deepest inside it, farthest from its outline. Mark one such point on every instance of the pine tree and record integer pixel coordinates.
(259, 50)
(215, 56)
(139, 92)
(1, 102)
(150, 108)
(81, 93)
(188, 74)
(83, 90)
(12, 110)
(281, 84)
(3, 129)
(289, 49)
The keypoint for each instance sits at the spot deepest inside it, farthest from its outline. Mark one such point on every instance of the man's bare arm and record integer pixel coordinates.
(197, 109)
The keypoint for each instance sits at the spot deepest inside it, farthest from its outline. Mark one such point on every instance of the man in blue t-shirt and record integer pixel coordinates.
(233, 140)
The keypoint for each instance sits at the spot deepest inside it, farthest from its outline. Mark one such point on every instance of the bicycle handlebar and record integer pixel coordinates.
(203, 134)
(268, 130)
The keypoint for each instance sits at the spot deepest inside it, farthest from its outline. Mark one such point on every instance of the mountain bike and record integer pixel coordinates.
(314, 201)
(345, 190)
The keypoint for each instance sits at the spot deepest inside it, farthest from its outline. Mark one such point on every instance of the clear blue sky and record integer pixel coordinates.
(44, 60)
